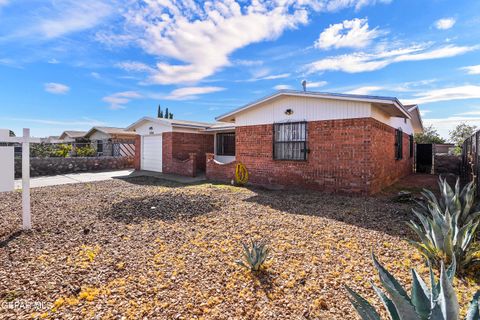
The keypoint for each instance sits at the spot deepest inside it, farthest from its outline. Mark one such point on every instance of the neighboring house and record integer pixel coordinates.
(51, 139)
(172, 146)
(73, 136)
(111, 141)
(332, 142)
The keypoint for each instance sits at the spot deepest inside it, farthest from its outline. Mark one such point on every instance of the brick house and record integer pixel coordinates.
(331, 142)
(172, 146)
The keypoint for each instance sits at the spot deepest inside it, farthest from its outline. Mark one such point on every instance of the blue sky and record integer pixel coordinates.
(70, 64)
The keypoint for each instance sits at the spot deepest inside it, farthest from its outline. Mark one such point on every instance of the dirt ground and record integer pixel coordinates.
(151, 249)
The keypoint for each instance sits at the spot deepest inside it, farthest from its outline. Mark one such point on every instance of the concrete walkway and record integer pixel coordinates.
(73, 178)
(102, 176)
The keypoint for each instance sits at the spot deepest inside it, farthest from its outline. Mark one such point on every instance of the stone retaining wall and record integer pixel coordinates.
(54, 166)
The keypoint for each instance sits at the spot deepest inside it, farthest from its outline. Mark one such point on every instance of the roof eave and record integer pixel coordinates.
(395, 102)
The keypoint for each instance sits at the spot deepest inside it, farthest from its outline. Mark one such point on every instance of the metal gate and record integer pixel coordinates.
(424, 158)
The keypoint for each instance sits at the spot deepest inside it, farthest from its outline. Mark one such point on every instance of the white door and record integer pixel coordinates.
(152, 153)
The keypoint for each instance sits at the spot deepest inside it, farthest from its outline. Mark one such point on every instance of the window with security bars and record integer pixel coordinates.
(398, 144)
(225, 144)
(290, 141)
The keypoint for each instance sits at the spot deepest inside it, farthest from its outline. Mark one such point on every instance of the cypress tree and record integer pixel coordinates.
(166, 113)
(159, 112)
(170, 115)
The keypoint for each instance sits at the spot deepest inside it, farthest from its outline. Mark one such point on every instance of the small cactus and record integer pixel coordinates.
(255, 255)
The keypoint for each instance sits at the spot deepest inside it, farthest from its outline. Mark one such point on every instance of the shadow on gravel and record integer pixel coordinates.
(150, 181)
(168, 206)
(380, 214)
(10, 238)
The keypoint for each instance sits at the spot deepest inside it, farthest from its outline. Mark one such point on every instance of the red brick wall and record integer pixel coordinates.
(138, 152)
(187, 167)
(387, 170)
(350, 155)
(219, 171)
(179, 145)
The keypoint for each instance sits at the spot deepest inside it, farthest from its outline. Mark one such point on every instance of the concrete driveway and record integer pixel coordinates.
(73, 178)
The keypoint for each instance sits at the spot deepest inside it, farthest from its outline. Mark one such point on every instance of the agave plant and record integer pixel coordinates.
(442, 239)
(448, 226)
(255, 255)
(460, 203)
(437, 303)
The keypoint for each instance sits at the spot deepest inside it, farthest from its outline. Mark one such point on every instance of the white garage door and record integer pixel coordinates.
(152, 153)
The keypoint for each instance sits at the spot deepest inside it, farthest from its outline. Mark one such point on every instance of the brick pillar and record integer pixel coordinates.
(208, 164)
(138, 152)
(193, 159)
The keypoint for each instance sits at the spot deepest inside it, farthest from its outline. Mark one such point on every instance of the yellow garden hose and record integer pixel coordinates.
(241, 174)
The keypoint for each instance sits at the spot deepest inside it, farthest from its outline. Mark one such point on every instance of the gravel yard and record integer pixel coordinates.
(146, 248)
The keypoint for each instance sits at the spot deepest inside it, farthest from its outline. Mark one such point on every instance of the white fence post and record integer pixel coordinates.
(26, 214)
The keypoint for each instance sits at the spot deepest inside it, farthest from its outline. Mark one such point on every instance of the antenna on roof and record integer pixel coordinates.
(304, 85)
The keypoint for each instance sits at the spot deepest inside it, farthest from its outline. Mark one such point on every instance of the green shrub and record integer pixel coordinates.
(87, 151)
(41, 150)
(63, 151)
(439, 302)
(255, 255)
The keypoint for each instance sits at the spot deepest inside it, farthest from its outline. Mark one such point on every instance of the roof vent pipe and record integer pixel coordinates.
(304, 85)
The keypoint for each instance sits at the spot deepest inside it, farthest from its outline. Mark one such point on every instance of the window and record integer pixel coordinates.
(225, 144)
(290, 141)
(398, 143)
(99, 146)
(412, 145)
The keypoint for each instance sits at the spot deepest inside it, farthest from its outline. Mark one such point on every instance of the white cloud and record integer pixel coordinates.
(4, 2)
(194, 40)
(348, 34)
(445, 23)
(469, 113)
(276, 76)
(270, 77)
(282, 87)
(190, 93)
(365, 90)
(53, 61)
(56, 88)
(424, 112)
(58, 18)
(447, 124)
(120, 99)
(95, 75)
(316, 84)
(445, 94)
(472, 69)
(248, 63)
(335, 5)
(135, 66)
(363, 62)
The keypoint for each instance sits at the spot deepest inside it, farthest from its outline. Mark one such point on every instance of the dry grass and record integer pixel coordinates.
(151, 249)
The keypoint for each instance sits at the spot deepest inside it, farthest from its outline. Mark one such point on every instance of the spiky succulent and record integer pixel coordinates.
(460, 203)
(255, 255)
(448, 227)
(437, 303)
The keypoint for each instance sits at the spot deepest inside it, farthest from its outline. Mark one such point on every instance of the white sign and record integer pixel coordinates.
(7, 169)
